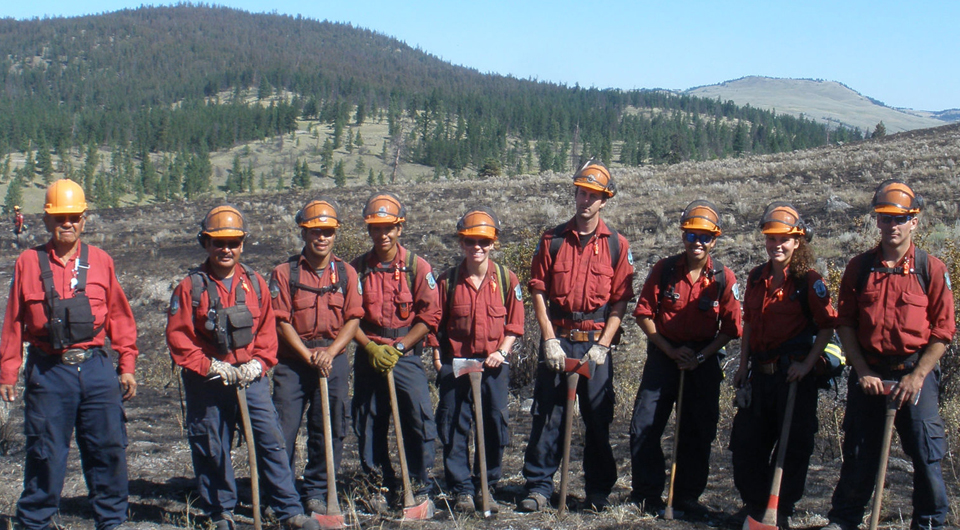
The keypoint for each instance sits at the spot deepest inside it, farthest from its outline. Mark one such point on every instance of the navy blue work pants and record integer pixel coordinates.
(296, 389)
(656, 396)
(922, 438)
(372, 415)
(59, 398)
(455, 419)
(213, 415)
(755, 439)
(545, 448)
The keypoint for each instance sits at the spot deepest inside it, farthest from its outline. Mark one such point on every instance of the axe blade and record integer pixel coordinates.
(466, 366)
(575, 365)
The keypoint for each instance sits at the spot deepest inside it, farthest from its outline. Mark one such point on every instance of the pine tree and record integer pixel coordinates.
(358, 140)
(380, 179)
(90, 167)
(305, 175)
(371, 179)
(234, 182)
(44, 162)
(339, 175)
(348, 145)
(880, 130)
(326, 158)
(14, 195)
(359, 166)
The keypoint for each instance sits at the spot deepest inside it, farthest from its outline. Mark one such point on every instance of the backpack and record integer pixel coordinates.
(613, 243)
(830, 365)
(921, 268)
(295, 285)
(503, 276)
(668, 278)
(409, 268)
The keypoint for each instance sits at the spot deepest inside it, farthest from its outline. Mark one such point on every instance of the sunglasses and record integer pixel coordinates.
(226, 243)
(886, 219)
(60, 219)
(323, 232)
(471, 242)
(693, 237)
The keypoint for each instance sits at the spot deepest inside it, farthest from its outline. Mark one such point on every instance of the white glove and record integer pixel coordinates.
(597, 354)
(553, 355)
(250, 371)
(227, 372)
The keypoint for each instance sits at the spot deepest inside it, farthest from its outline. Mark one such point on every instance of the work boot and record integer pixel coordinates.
(377, 503)
(223, 521)
(301, 522)
(534, 502)
(596, 502)
(650, 506)
(465, 503)
(316, 506)
(494, 507)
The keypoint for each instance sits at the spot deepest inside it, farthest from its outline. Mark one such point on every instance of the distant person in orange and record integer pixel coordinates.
(18, 226)
(65, 301)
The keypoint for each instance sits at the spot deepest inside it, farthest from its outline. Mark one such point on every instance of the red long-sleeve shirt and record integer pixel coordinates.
(775, 317)
(476, 319)
(26, 313)
(680, 319)
(193, 350)
(582, 278)
(892, 314)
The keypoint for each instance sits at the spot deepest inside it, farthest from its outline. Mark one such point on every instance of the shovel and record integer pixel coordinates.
(474, 368)
(668, 511)
(574, 368)
(411, 510)
(891, 415)
(251, 455)
(333, 518)
(770, 515)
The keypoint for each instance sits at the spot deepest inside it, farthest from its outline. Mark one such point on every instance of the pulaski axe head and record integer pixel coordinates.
(584, 369)
(329, 521)
(419, 512)
(466, 366)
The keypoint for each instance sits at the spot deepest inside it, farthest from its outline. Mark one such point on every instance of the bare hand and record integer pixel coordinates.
(907, 389)
(322, 360)
(797, 371)
(494, 360)
(870, 383)
(741, 377)
(685, 358)
(8, 392)
(129, 385)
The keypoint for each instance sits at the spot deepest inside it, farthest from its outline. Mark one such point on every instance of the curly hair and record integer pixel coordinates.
(802, 259)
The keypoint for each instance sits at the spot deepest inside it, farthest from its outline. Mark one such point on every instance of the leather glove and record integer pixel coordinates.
(598, 354)
(250, 371)
(227, 372)
(553, 355)
(382, 358)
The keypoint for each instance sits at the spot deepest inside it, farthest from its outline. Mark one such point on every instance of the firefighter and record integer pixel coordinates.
(581, 281)
(401, 306)
(482, 318)
(788, 321)
(65, 301)
(222, 332)
(318, 307)
(689, 311)
(896, 318)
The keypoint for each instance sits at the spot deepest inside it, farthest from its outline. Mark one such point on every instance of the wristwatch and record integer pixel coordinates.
(400, 347)
(700, 357)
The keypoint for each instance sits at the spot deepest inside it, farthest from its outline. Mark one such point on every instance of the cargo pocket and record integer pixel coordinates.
(202, 440)
(426, 418)
(933, 446)
(504, 427)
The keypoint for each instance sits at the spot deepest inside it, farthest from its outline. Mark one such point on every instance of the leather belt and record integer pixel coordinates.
(768, 368)
(578, 335)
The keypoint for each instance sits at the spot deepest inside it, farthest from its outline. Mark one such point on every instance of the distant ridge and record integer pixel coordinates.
(824, 101)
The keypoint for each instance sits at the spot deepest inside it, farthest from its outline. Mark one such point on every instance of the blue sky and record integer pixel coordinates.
(901, 53)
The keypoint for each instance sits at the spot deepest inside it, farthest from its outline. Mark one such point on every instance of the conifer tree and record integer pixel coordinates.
(14, 195)
(339, 175)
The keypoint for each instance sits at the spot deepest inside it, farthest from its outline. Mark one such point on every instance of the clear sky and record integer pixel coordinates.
(904, 54)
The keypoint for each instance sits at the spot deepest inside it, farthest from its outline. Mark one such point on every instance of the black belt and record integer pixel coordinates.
(70, 356)
(597, 315)
(893, 363)
(317, 343)
(380, 331)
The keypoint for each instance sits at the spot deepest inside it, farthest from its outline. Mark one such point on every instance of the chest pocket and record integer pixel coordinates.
(335, 300)
(404, 302)
(869, 314)
(602, 277)
(496, 314)
(912, 313)
(304, 300)
(461, 321)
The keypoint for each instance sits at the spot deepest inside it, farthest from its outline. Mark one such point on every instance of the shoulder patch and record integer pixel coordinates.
(274, 288)
(630, 257)
(359, 285)
(518, 292)
(431, 281)
(736, 292)
(820, 289)
(174, 304)
(946, 278)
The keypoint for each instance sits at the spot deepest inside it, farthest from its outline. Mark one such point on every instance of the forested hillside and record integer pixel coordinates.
(187, 80)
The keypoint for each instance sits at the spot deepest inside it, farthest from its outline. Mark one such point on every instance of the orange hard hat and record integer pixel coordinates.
(595, 176)
(782, 218)
(701, 215)
(384, 208)
(895, 197)
(65, 196)
(222, 222)
(479, 222)
(16, 207)
(320, 213)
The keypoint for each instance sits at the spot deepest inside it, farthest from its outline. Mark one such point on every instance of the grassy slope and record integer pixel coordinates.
(826, 101)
